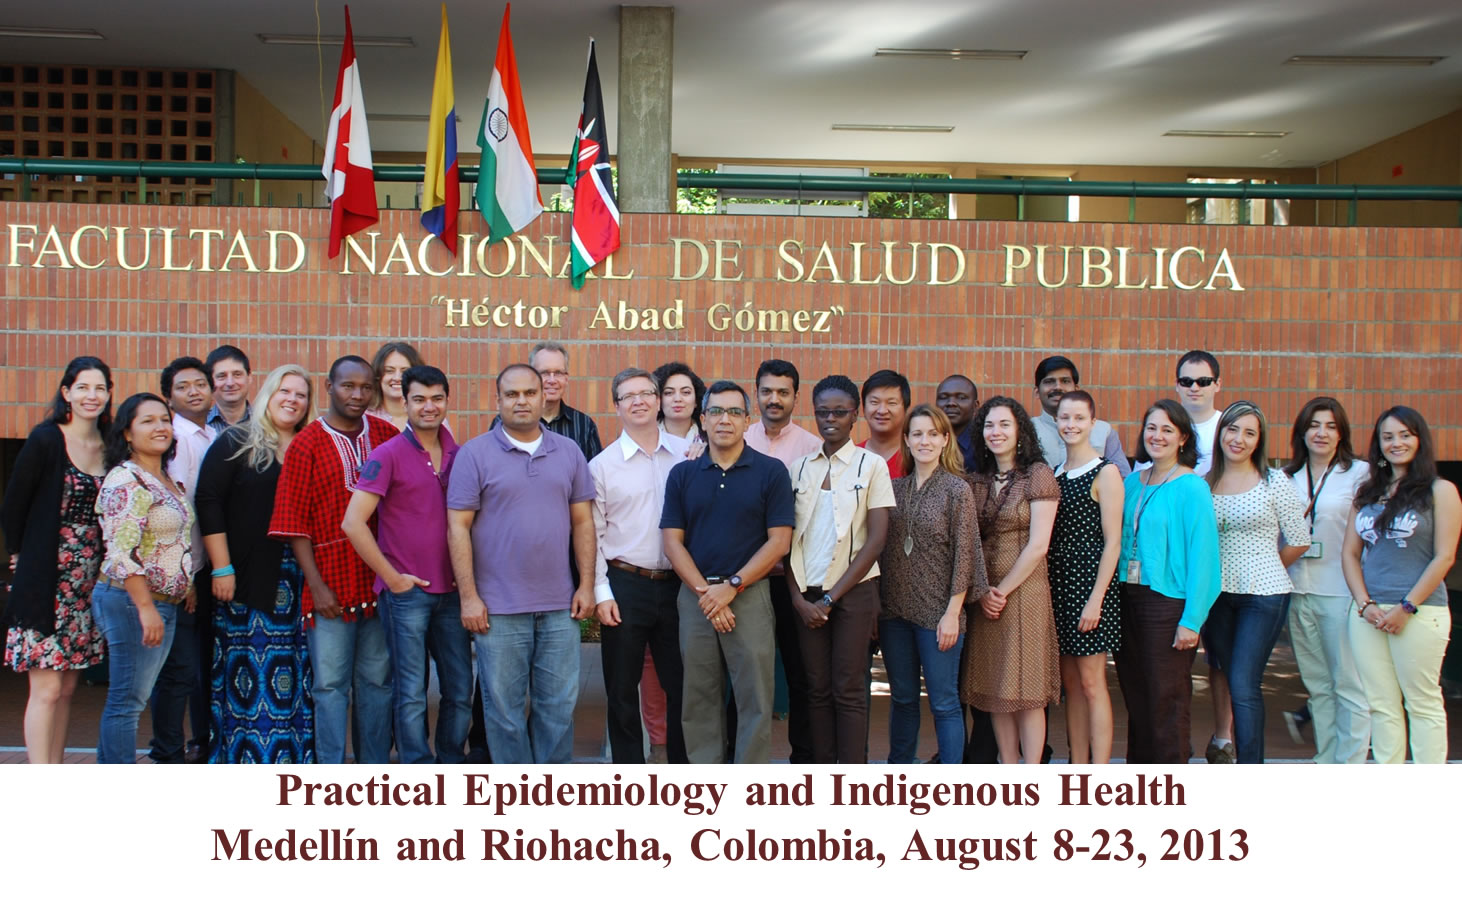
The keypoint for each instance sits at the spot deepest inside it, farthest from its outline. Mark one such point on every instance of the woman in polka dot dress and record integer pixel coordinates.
(1085, 545)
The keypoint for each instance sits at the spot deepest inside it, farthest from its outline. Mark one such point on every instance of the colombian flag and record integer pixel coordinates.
(440, 194)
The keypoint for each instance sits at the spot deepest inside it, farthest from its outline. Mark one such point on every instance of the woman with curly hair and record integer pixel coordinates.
(1399, 545)
(1010, 663)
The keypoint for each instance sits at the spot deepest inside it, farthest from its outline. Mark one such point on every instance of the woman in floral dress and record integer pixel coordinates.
(51, 525)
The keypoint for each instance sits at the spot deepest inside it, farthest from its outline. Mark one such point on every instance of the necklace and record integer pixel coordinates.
(915, 501)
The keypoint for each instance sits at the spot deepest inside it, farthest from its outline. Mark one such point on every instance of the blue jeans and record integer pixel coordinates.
(351, 656)
(906, 648)
(523, 658)
(417, 622)
(1239, 635)
(133, 668)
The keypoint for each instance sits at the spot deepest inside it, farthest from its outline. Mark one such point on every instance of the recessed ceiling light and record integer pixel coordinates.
(941, 53)
(310, 40)
(922, 129)
(1365, 60)
(75, 34)
(1272, 135)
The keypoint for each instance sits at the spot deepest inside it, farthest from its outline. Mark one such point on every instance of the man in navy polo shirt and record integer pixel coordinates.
(404, 484)
(519, 497)
(727, 521)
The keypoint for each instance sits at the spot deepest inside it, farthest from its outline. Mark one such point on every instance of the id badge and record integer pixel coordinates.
(1316, 550)
(1134, 571)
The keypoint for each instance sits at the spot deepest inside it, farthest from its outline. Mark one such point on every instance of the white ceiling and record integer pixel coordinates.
(766, 78)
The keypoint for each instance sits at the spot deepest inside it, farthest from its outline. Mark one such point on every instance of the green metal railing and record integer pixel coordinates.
(1352, 194)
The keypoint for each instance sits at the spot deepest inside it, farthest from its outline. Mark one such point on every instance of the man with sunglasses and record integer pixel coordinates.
(1198, 385)
(727, 520)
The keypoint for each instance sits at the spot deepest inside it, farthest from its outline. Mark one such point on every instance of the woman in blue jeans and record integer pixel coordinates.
(1254, 505)
(931, 566)
(147, 527)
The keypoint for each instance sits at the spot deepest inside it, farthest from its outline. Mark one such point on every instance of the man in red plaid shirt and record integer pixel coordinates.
(347, 640)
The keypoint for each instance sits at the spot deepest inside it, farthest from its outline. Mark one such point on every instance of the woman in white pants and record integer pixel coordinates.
(1326, 475)
(1401, 541)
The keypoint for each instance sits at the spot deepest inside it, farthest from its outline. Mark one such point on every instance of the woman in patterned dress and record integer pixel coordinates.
(1254, 505)
(1010, 667)
(1083, 567)
(262, 711)
(51, 526)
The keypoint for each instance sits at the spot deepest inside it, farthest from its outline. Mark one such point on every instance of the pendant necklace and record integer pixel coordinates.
(913, 515)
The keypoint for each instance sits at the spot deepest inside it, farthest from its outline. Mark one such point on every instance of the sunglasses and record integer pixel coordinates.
(1186, 382)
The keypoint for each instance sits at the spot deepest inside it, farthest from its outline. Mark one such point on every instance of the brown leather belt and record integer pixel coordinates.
(647, 573)
(156, 596)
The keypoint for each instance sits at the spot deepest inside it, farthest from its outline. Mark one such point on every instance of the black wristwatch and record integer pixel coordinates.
(1408, 607)
(827, 602)
(735, 582)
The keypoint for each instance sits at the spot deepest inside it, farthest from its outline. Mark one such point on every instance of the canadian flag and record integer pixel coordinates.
(350, 184)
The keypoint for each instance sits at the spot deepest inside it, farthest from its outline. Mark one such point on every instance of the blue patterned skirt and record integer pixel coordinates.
(262, 711)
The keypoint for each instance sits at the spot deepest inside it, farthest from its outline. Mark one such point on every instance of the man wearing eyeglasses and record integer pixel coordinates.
(727, 520)
(1198, 386)
(635, 589)
(776, 434)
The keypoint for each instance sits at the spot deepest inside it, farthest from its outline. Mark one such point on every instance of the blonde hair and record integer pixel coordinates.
(260, 438)
(951, 458)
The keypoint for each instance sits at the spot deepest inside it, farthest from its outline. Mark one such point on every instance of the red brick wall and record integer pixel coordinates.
(1367, 314)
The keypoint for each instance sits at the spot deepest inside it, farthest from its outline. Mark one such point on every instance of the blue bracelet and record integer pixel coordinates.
(225, 571)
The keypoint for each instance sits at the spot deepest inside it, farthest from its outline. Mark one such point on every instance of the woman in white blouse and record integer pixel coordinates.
(1325, 474)
(1254, 505)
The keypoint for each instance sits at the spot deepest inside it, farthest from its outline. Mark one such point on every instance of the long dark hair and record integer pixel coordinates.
(1188, 451)
(378, 367)
(1300, 453)
(1259, 459)
(1027, 445)
(60, 411)
(669, 370)
(116, 449)
(1414, 491)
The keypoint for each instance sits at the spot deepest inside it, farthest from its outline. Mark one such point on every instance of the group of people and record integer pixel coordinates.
(288, 580)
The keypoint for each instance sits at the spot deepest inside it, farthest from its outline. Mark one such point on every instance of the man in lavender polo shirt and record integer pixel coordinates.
(520, 495)
(404, 484)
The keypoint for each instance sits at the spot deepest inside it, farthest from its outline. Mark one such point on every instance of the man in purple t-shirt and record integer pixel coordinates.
(519, 497)
(404, 484)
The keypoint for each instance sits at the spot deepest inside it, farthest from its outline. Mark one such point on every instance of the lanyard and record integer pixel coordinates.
(1315, 491)
(1142, 502)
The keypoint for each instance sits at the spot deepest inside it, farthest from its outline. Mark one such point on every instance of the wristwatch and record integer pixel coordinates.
(1408, 607)
(826, 604)
(735, 582)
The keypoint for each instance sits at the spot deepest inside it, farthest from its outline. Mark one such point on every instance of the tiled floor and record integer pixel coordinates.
(1282, 690)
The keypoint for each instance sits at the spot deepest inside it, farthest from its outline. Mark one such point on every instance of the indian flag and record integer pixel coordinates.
(507, 183)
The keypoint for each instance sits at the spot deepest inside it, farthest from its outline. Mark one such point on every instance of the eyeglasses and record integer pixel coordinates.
(555, 374)
(717, 411)
(832, 414)
(1186, 382)
(646, 395)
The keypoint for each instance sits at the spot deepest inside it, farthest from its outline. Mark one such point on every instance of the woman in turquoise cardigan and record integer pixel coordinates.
(1170, 571)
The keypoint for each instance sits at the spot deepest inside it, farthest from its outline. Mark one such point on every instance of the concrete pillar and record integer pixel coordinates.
(646, 53)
